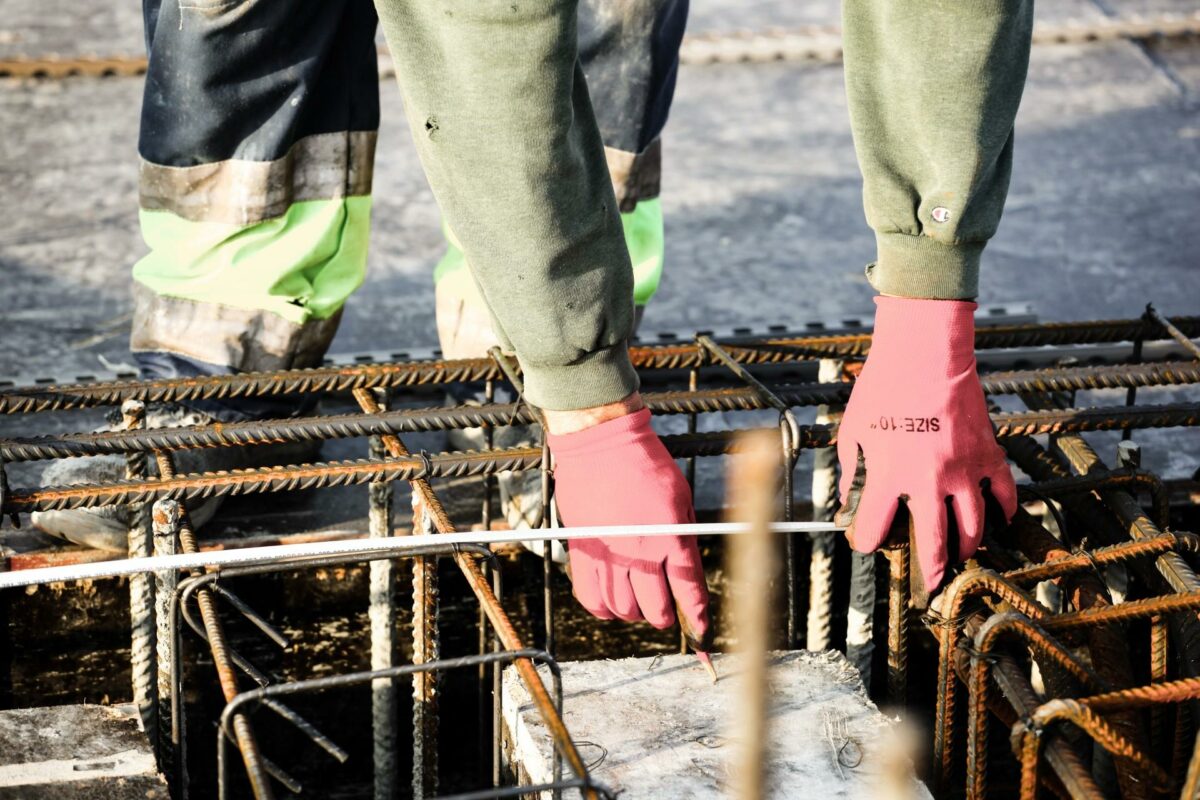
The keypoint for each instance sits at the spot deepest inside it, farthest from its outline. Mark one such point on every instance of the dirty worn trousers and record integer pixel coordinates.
(505, 130)
(257, 146)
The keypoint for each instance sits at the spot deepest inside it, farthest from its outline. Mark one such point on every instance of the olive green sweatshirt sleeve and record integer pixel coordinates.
(933, 89)
(504, 128)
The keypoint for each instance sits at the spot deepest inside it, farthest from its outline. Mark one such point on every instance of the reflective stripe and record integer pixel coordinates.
(300, 266)
(643, 227)
(239, 192)
(236, 338)
(635, 176)
(644, 238)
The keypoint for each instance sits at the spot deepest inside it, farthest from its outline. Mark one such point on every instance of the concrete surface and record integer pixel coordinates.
(657, 728)
(77, 752)
(761, 191)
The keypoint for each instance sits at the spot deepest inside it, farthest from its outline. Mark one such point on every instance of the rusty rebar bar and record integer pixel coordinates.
(1014, 684)
(343, 379)
(1173, 331)
(500, 622)
(993, 630)
(899, 578)
(1125, 612)
(1142, 696)
(947, 626)
(1102, 556)
(256, 765)
(319, 475)
(1031, 734)
(751, 397)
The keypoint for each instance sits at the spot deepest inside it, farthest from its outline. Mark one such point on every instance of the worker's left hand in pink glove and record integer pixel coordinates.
(619, 473)
(918, 421)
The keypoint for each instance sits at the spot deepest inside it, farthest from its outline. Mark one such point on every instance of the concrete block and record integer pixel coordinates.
(77, 752)
(658, 728)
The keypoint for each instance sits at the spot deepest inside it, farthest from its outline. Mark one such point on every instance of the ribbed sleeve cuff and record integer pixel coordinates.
(596, 379)
(924, 268)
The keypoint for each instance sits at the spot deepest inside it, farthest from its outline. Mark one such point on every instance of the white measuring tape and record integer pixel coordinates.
(252, 556)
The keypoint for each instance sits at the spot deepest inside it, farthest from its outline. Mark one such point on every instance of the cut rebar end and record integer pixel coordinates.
(706, 660)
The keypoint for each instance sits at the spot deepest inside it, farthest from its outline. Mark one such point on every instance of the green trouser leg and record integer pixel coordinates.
(506, 134)
(933, 89)
(643, 228)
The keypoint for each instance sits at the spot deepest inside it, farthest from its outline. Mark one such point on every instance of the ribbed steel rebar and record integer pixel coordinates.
(1112, 554)
(1014, 684)
(342, 379)
(986, 640)
(381, 607)
(972, 583)
(257, 767)
(140, 543)
(318, 475)
(457, 417)
(1125, 612)
(506, 634)
(1141, 696)
(1096, 727)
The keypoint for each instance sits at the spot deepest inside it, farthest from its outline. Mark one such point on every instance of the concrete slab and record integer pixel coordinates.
(77, 752)
(657, 727)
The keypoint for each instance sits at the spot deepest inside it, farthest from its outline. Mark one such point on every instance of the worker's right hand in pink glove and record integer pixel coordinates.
(619, 473)
(917, 430)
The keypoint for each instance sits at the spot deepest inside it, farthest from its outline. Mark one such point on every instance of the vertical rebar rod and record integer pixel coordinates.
(141, 587)
(381, 612)
(753, 562)
(489, 396)
(256, 765)
(167, 515)
(501, 624)
(690, 470)
(426, 648)
(1158, 674)
(547, 552)
(898, 589)
(860, 615)
(824, 502)
(690, 464)
(788, 446)
(497, 688)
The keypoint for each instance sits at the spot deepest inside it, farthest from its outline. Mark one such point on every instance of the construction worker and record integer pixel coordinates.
(257, 155)
(505, 130)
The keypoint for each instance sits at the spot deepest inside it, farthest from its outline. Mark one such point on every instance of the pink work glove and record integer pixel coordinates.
(918, 419)
(619, 473)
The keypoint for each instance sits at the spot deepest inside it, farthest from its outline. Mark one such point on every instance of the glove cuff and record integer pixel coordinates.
(921, 266)
(936, 332)
(630, 430)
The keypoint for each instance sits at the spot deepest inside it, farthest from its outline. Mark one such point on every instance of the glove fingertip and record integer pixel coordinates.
(1004, 490)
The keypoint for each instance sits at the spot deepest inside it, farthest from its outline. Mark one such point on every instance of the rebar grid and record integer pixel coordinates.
(975, 639)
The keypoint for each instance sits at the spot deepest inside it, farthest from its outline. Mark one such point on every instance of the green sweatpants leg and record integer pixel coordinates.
(506, 134)
(933, 89)
(505, 131)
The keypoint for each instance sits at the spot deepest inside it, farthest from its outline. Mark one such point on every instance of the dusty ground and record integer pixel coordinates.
(761, 191)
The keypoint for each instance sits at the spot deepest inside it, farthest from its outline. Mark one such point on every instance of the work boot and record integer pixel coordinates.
(107, 527)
